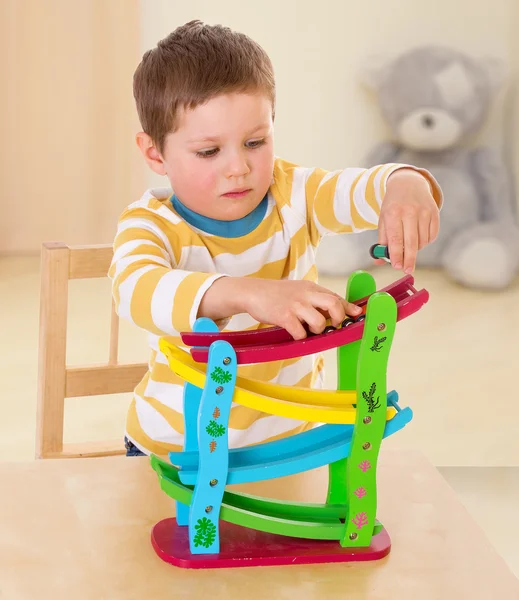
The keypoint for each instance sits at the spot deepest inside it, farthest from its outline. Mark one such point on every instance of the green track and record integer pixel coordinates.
(310, 521)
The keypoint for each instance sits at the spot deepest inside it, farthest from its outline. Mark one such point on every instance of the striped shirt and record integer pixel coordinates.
(162, 266)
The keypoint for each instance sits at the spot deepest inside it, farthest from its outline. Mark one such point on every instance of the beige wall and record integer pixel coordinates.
(68, 162)
(512, 137)
(324, 116)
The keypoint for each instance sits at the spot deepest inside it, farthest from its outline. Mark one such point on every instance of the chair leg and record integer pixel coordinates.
(52, 349)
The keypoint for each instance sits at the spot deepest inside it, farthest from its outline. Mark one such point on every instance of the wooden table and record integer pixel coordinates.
(79, 529)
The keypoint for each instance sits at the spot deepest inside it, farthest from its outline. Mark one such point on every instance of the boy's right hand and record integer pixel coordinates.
(290, 304)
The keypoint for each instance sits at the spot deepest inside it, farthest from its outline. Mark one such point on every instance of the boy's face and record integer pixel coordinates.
(220, 159)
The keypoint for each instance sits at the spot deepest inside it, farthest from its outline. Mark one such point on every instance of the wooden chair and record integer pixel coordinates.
(56, 381)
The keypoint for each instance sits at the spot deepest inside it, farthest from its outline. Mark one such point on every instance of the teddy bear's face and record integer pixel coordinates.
(429, 128)
(432, 97)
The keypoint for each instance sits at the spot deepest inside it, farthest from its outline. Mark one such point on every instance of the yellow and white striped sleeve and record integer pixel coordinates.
(148, 289)
(349, 201)
(343, 201)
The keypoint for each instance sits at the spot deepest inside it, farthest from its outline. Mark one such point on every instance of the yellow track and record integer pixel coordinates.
(318, 406)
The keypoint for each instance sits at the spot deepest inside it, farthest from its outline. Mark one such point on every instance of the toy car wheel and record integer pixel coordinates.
(347, 322)
(329, 329)
(361, 318)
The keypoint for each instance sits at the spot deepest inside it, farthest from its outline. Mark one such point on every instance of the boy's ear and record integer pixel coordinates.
(151, 155)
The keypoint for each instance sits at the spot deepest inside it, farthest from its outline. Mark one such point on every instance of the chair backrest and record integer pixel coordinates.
(56, 381)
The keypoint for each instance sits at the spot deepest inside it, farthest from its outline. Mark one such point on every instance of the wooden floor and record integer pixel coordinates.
(453, 363)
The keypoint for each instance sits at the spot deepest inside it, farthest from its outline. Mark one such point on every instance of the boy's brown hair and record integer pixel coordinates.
(193, 64)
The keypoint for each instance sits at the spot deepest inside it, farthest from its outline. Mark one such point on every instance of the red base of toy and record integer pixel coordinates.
(242, 547)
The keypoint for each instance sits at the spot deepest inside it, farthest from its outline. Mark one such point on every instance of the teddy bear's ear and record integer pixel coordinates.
(496, 70)
(373, 71)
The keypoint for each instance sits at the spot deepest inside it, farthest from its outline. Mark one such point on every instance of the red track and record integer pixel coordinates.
(275, 343)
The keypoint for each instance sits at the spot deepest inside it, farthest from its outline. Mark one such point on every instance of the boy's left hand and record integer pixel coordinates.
(409, 218)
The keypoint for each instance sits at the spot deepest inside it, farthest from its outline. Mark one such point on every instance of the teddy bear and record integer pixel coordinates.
(434, 100)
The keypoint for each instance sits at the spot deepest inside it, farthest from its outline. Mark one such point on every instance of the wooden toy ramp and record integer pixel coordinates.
(261, 531)
(319, 406)
(305, 451)
(310, 521)
(351, 423)
(275, 343)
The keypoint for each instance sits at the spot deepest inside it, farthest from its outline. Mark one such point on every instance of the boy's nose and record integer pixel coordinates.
(237, 166)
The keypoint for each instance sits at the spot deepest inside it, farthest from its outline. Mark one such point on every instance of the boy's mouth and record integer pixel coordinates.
(238, 193)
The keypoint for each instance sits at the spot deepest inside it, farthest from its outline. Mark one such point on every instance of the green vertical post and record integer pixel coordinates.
(371, 388)
(360, 284)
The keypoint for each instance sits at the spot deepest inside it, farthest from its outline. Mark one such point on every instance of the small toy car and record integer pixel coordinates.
(379, 251)
(348, 321)
(376, 251)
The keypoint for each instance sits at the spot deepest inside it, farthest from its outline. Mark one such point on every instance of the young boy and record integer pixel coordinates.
(235, 237)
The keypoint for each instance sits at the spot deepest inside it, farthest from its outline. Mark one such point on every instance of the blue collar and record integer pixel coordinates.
(226, 229)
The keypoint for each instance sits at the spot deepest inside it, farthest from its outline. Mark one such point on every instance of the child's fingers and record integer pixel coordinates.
(382, 237)
(352, 309)
(347, 308)
(382, 240)
(395, 242)
(334, 306)
(424, 226)
(410, 242)
(434, 226)
(315, 320)
(294, 327)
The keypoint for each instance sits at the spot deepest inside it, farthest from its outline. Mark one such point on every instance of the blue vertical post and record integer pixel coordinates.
(213, 439)
(192, 397)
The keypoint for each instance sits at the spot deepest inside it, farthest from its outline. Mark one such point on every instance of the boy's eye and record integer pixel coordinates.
(208, 153)
(251, 144)
(255, 143)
